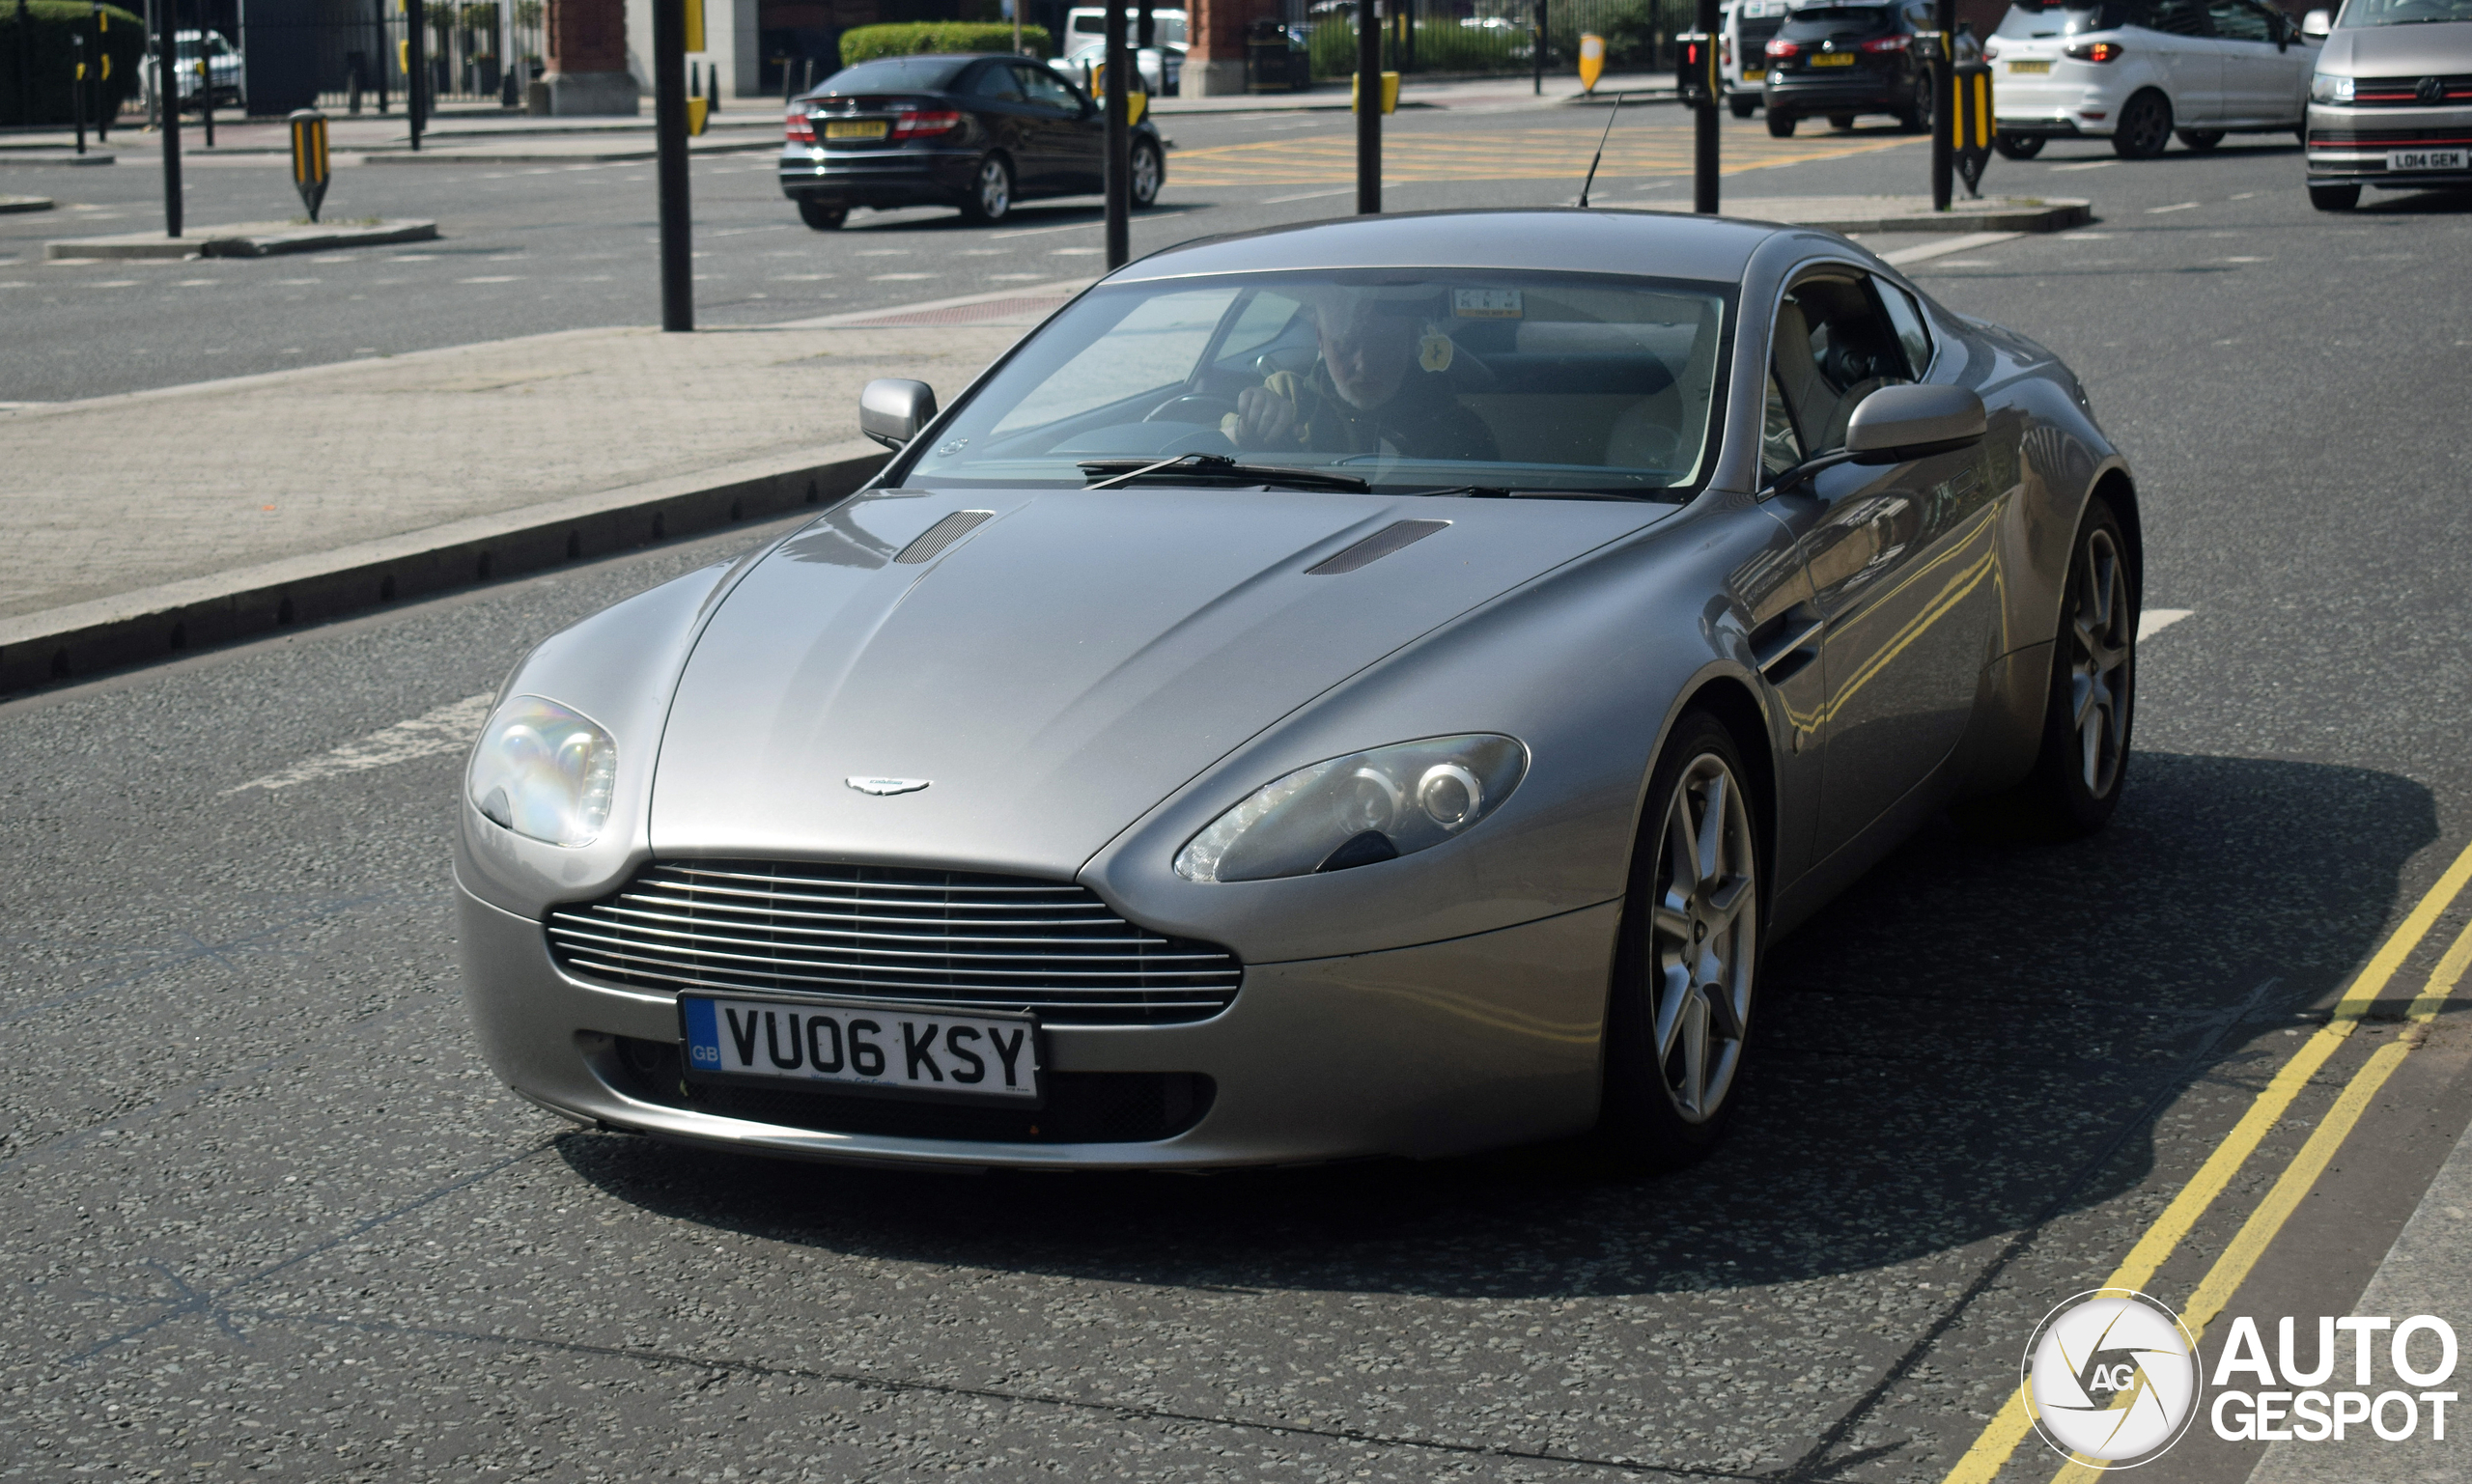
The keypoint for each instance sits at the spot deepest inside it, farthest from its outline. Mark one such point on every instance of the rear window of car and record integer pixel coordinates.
(2025, 23)
(1815, 21)
(897, 74)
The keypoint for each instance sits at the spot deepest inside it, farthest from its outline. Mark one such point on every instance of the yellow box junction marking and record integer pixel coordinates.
(1513, 154)
(2012, 1424)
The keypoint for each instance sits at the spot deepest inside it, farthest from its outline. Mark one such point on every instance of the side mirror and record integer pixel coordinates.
(2317, 25)
(893, 413)
(1898, 422)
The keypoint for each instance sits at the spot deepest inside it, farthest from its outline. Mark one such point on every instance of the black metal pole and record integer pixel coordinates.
(1368, 108)
(1537, 50)
(205, 74)
(167, 104)
(416, 98)
(1118, 141)
(1703, 153)
(95, 82)
(25, 63)
(77, 87)
(669, 137)
(1944, 118)
(385, 53)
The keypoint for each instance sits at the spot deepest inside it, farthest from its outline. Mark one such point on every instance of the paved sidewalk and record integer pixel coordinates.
(160, 519)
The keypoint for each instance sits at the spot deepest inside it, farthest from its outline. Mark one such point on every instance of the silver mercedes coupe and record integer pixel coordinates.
(1373, 687)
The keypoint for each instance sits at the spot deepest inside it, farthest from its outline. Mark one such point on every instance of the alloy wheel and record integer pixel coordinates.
(995, 190)
(1146, 176)
(2098, 668)
(1703, 937)
(2144, 127)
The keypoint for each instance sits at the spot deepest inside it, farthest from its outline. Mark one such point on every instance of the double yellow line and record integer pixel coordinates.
(2010, 1425)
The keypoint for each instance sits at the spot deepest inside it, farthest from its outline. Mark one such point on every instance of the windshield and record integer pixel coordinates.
(1406, 378)
(2026, 23)
(2403, 13)
(1819, 23)
(896, 74)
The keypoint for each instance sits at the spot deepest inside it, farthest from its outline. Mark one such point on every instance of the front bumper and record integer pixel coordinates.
(2350, 146)
(878, 178)
(1475, 1043)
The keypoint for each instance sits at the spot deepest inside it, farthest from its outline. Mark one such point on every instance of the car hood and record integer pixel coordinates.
(2381, 51)
(1066, 664)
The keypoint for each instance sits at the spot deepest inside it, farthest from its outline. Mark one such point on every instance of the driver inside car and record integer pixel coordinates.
(1379, 385)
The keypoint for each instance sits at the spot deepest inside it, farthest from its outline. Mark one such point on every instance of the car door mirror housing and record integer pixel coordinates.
(2318, 24)
(892, 412)
(1898, 422)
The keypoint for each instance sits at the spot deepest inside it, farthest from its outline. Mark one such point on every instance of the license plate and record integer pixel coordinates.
(1755, 73)
(2026, 69)
(875, 129)
(906, 1050)
(2425, 159)
(1834, 59)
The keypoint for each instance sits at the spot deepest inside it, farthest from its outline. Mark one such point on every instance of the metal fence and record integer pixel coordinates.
(1494, 36)
(484, 52)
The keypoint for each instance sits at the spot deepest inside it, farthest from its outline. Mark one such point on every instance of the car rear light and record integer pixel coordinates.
(2096, 51)
(1785, 49)
(1886, 44)
(1725, 49)
(1991, 51)
(802, 130)
(914, 122)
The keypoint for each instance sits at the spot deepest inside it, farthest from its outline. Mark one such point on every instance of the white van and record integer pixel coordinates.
(1162, 65)
(1743, 30)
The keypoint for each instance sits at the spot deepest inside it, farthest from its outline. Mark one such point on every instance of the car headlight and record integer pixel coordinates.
(545, 772)
(1357, 810)
(2325, 87)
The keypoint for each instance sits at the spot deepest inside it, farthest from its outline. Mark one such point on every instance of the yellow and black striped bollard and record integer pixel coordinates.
(310, 167)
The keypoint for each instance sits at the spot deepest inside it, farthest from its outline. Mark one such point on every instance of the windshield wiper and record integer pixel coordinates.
(1497, 492)
(1110, 472)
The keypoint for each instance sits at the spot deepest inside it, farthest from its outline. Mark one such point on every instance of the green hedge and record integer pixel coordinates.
(865, 44)
(54, 60)
(1443, 46)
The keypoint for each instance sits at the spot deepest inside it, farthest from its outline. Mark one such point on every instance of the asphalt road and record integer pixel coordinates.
(262, 1211)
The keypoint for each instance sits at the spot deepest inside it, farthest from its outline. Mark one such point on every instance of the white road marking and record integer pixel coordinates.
(1948, 247)
(2244, 260)
(449, 728)
(502, 278)
(897, 278)
(1077, 226)
(2154, 621)
(2182, 206)
(113, 283)
(2092, 164)
(1311, 195)
(1073, 252)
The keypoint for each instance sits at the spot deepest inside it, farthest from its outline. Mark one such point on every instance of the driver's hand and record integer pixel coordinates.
(1264, 418)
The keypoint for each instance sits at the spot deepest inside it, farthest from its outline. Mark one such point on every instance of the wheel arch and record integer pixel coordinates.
(2114, 485)
(1737, 707)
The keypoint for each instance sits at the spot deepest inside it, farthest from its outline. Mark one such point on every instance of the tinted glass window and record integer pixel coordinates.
(1911, 334)
(1833, 347)
(2025, 23)
(998, 82)
(1780, 449)
(2239, 21)
(1410, 379)
(896, 74)
(2405, 13)
(1819, 23)
(2172, 18)
(1045, 89)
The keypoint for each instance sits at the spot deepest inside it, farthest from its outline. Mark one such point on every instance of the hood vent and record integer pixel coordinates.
(1391, 538)
(943, 533)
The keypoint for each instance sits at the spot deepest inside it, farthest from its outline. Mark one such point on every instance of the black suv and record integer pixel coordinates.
(1841, 60)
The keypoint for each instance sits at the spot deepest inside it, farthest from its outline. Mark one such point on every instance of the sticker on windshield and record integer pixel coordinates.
(1485, 303)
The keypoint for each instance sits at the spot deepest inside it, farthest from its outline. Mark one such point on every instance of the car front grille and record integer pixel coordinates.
(893, 934)
(2405, 92)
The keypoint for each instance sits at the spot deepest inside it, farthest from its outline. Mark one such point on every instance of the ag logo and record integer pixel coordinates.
(2112, 1376)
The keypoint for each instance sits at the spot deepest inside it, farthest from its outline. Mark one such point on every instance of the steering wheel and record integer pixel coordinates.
(1191, 407)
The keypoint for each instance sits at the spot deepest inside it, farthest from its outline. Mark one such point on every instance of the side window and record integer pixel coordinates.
(2237, 20)
(1045, 89)
(1833, 347)
(998, 82)
(1778, 449)
(2175, 18)
(1911, 334)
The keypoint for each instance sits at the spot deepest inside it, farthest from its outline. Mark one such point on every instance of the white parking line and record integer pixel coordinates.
(449, 728)
(501, 278)
(1311, 195)
(2092, 164)
(1967, 243)
(2154, 621)
(2184, 205)
(1077, 226)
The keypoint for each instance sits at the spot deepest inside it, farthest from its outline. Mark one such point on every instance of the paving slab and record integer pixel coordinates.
(1906, 213)
(9, 204)
(245, 240)
(309, 493)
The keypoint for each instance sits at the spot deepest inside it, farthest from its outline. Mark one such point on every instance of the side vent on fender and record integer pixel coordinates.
(931, 541)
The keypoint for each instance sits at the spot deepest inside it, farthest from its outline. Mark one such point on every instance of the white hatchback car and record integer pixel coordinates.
(2138, 72)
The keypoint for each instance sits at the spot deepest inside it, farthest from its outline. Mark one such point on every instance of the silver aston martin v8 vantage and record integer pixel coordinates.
(1367, 688)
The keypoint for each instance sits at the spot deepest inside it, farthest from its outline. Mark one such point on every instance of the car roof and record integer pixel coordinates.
(1664, 244)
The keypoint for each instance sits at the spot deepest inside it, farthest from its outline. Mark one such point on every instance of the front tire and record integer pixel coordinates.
(2201, 140)
(990, 192)
(1147, 172)
(2090, 707)
(2334, 198)
(2145, 126)
(1915, 117)
(1685, 966)
(1781, 126)
(1840, 122)
(1743, 104)
(2018, 146)
(823, 215)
